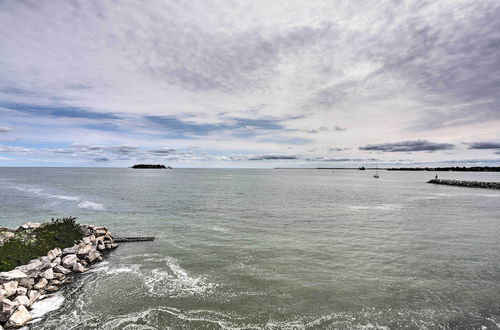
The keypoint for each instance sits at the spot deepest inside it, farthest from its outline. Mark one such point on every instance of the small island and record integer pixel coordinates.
(152, 166)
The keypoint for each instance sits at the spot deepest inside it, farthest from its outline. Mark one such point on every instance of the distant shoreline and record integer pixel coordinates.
(438, 169)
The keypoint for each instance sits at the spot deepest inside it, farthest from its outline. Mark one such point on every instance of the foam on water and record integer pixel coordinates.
(172, 280)
(381, 207)
(175, 281)
(44, 306)
(42, 193)
(90, 205)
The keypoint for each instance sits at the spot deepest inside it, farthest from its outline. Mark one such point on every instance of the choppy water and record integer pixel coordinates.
(273, 249)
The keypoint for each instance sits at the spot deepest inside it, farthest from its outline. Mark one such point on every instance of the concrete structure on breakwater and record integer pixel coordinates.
(470, 184)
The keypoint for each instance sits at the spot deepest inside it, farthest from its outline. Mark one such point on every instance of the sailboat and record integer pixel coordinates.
(376, 176)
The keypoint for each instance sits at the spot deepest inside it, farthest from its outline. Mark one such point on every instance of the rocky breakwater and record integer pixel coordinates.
(470, 184)
(21, 287)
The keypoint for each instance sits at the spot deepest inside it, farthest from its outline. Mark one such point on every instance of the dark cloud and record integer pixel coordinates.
(56, 111)
(408, 146)
(163, 151)
(333, 149)
(174, 125)
(339, 129)
(101, 159)
(286, 140)
(273, 157)
(485, 145)
(4, 129)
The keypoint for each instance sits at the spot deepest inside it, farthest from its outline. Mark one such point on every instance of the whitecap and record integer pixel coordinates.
(90, 205)
(40, 192)
(175, 281)
(381, 207)
(68, 198)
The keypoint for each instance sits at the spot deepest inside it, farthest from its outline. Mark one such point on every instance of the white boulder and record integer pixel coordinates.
(20, 317)
(69, 261)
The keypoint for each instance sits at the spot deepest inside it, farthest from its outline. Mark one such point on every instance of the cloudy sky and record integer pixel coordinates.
(249, 83)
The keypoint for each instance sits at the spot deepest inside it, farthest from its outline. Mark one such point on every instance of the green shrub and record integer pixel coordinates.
(28, 245)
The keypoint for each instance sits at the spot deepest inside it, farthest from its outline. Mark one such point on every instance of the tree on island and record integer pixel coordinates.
(151, 166)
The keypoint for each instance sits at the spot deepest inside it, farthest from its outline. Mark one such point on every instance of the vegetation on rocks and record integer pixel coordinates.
(24, 245)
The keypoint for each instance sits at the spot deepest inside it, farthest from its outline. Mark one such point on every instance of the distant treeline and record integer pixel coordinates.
(151, 166)
(452, 168)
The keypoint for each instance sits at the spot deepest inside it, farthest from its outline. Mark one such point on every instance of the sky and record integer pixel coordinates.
(252, 84)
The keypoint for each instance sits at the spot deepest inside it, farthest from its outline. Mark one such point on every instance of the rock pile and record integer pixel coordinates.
(470, 184)
(21, 287)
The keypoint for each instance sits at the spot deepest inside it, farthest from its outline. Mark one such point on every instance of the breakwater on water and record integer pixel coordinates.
(470, 184)
(21, 287)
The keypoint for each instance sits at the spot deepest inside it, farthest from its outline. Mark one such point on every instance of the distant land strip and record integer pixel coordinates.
(455, 168)
(443, 169)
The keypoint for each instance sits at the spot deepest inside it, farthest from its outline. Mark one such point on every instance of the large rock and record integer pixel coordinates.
(92, 256)
(70, 250)
(34, 267)
(33, 295)
(13, 275)
(60, 276)
(69, 261)
(48, 274)
(10, 288)
(51, 288)
(55, 282)
(21, 291)
(84, 250)
(20, 317)
(101, 246)
(54, 253)
(25, 282)
(8, 306)
(62, 270)
(22, 300)
(79, 268)
(100, 231)
(56, 262)
(42, 283)
(86, 229)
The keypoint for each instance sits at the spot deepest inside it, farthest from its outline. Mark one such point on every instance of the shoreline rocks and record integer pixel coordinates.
(21, 287)
(469, 184)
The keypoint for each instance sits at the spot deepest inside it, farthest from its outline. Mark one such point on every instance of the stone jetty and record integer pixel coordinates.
(21, 287)
(470, 184)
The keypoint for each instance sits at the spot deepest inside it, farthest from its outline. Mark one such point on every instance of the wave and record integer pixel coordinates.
(40, 192)
(83, 204)
(90, 205)
(382, 207)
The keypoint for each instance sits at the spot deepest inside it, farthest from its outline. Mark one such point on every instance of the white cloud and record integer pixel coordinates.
(329, 72)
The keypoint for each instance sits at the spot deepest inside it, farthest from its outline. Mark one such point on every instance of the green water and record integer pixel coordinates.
(271, 249)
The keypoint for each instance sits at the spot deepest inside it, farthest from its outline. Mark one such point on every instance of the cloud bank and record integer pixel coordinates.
(204, 81)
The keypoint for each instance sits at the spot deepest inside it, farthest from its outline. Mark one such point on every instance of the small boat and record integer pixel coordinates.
(376, 176)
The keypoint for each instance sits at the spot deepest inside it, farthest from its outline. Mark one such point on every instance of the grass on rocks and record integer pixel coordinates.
(31, 244)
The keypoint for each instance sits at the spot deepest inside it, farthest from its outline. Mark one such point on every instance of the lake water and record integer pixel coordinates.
(271, 249)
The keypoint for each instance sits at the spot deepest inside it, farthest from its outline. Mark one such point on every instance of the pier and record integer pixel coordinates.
(135, 239)
(470, 184)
